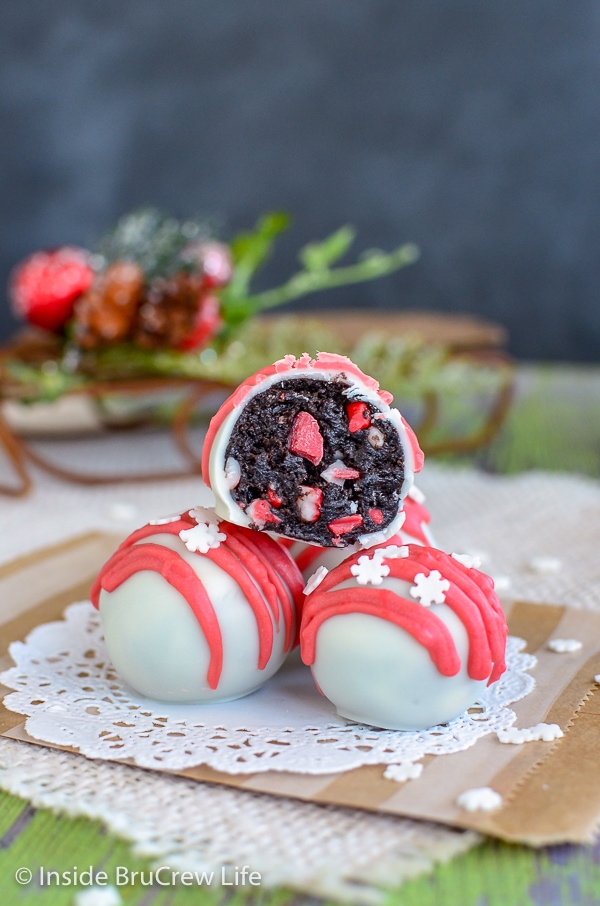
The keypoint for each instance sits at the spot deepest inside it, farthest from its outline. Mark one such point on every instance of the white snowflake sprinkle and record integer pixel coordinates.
(565, 646)
(541, 732)
(469, 560)
(164, 520)
(202, 538)
(315, 580)
(204, 514)
(430, 589)
(392, 552)
(370, 570)
(480, 799)
(402, 772)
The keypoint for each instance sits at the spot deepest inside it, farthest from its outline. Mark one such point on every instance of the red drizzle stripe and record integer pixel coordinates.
(224, 559)
(471, 596)
(479, 662)
(256, 568)
(473, 584)
(179, 574)
(308, 556)
(418, 455)
(423, 625)
(416, 515)
(272, 556)
(170, 528)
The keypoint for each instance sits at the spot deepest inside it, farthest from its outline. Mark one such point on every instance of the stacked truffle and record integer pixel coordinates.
(312, 473)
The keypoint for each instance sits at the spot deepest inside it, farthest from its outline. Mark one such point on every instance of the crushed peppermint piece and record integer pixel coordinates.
(370, 570)
(565, 646)
(430, 589)
(164, 520)
(309, 503)
(315, 580)
(541, 732)
(479, 799)
(345, 524)
(402, 772)
(417, 494)
(233, 473)
(260, 512)
(202, 538)
(306, 439)
(338, 472)
(376, 515)
(359, 416)
(545, 565)
(202, 514)
(274, 498)
(469, 560)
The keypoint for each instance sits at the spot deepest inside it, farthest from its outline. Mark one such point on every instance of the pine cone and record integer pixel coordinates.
(105, 314)
(167, 314)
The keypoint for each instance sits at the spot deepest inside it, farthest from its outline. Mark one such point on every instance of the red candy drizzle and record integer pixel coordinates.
(417, 515)
(264, 571)
(470, 596)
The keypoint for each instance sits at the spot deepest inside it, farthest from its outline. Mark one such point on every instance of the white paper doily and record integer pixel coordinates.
(72, 696)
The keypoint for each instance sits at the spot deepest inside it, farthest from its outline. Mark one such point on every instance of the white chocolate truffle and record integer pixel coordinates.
(198, 610)
(403, 638)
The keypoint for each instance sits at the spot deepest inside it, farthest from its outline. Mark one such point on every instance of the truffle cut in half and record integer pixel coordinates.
(310, 449)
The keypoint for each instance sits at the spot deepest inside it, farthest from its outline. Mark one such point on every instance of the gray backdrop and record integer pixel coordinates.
(469, 127)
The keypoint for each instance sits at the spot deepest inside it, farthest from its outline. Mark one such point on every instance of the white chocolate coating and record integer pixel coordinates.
(376, 673)
(157, 644)
(403, 642)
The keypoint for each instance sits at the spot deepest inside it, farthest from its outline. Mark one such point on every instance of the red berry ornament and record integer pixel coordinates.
(217, 267)
(44, 288)
(207, 324)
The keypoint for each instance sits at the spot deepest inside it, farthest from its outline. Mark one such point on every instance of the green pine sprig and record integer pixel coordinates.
(251, 250)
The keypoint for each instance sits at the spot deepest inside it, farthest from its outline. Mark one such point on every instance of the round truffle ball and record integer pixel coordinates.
(198, 610)
(403, 638)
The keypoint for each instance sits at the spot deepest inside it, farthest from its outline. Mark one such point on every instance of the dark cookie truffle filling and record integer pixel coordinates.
(283, 441)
